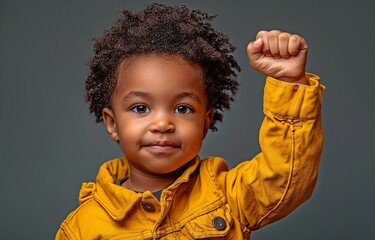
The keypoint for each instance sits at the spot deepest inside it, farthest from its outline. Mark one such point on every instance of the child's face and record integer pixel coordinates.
(159, 112)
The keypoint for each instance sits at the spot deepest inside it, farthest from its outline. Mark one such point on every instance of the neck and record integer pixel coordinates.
(140, 181)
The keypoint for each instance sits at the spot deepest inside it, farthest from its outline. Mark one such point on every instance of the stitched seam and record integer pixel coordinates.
(210, 170)
(138, 236)
(109, 210)
(68, 231)
(209, 233)
(289, 179)
(287, 117)
(217, 204)
(75, 212)
(295, 107)
(302, 102)
(176, 226)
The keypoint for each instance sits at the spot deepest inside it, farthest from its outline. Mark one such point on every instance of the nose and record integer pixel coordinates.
(162, 123)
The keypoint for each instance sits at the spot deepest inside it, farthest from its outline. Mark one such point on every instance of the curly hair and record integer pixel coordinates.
(165, 29)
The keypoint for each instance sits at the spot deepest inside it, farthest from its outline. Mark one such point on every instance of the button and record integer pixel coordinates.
(219, 223)
(148, 206)
(295, 87)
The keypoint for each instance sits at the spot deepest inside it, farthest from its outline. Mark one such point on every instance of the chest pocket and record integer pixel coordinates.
(213, 224)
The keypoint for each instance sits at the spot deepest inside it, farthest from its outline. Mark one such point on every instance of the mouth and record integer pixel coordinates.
(161, 146)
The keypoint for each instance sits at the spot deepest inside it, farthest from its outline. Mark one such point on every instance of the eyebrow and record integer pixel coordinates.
(189, 95)
(133, 94)
(140, 94)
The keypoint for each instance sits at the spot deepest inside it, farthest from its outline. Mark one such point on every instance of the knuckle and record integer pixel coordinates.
(295, 38)
(261, 33)
(275, 32)
(284, 36)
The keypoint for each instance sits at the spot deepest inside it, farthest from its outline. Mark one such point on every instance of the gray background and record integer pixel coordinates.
(49, 144)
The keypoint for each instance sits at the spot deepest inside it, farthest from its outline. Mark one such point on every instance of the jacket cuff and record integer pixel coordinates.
(292, 100)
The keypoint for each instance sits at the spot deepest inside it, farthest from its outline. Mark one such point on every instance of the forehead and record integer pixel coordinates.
(158, 60)
(151, 71)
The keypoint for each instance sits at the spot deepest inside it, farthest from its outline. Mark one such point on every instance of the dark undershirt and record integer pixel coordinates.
(122, 180)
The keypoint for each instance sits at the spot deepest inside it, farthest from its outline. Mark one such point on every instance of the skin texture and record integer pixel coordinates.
(160, 127)
(280, 55)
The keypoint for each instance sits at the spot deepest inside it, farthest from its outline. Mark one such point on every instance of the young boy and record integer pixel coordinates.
(159, 80)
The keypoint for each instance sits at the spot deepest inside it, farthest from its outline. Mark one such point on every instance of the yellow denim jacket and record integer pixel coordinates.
(208, 200)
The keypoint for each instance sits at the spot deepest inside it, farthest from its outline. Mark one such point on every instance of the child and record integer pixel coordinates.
(160, 79)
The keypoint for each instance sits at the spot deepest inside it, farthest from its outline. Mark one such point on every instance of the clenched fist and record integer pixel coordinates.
(280, 55)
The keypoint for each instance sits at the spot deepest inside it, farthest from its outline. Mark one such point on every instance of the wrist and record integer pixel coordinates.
(299, 80)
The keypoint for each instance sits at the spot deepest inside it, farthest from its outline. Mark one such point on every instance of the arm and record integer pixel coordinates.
(284, 174)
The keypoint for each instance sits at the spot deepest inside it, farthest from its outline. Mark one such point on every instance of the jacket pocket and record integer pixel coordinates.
(212, 224)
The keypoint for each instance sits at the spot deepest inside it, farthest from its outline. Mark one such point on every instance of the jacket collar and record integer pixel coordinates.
(117, 200)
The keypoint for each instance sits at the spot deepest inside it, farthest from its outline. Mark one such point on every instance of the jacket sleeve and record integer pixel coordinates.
(283, 175)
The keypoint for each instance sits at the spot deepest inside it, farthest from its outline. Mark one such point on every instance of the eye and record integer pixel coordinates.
(140, 109)
(183, 109)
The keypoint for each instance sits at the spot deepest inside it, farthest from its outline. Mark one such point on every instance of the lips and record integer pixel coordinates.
(161, 146)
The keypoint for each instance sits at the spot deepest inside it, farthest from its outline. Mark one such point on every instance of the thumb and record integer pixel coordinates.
(254, 50)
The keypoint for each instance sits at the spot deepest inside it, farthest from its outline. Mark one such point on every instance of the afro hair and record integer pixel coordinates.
(164, 29)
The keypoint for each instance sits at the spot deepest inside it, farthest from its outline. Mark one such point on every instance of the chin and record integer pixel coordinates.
(165, 171)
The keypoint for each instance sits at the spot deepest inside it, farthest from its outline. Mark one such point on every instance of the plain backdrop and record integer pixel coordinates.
(49, 143)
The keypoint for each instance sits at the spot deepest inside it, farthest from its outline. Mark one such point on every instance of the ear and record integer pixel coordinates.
(110, 123)
(208, 120)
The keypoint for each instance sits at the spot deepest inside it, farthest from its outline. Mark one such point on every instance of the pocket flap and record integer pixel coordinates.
(215, 223)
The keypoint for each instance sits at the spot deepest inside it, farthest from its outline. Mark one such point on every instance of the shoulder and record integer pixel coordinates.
(213, 165)
(213, 172)
(76, 224)
(88, 209)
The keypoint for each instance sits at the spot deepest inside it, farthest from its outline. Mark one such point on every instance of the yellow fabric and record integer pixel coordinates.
(245, 198)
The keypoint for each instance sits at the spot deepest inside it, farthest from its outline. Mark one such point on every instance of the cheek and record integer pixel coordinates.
(193, 131)
(131, 131)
